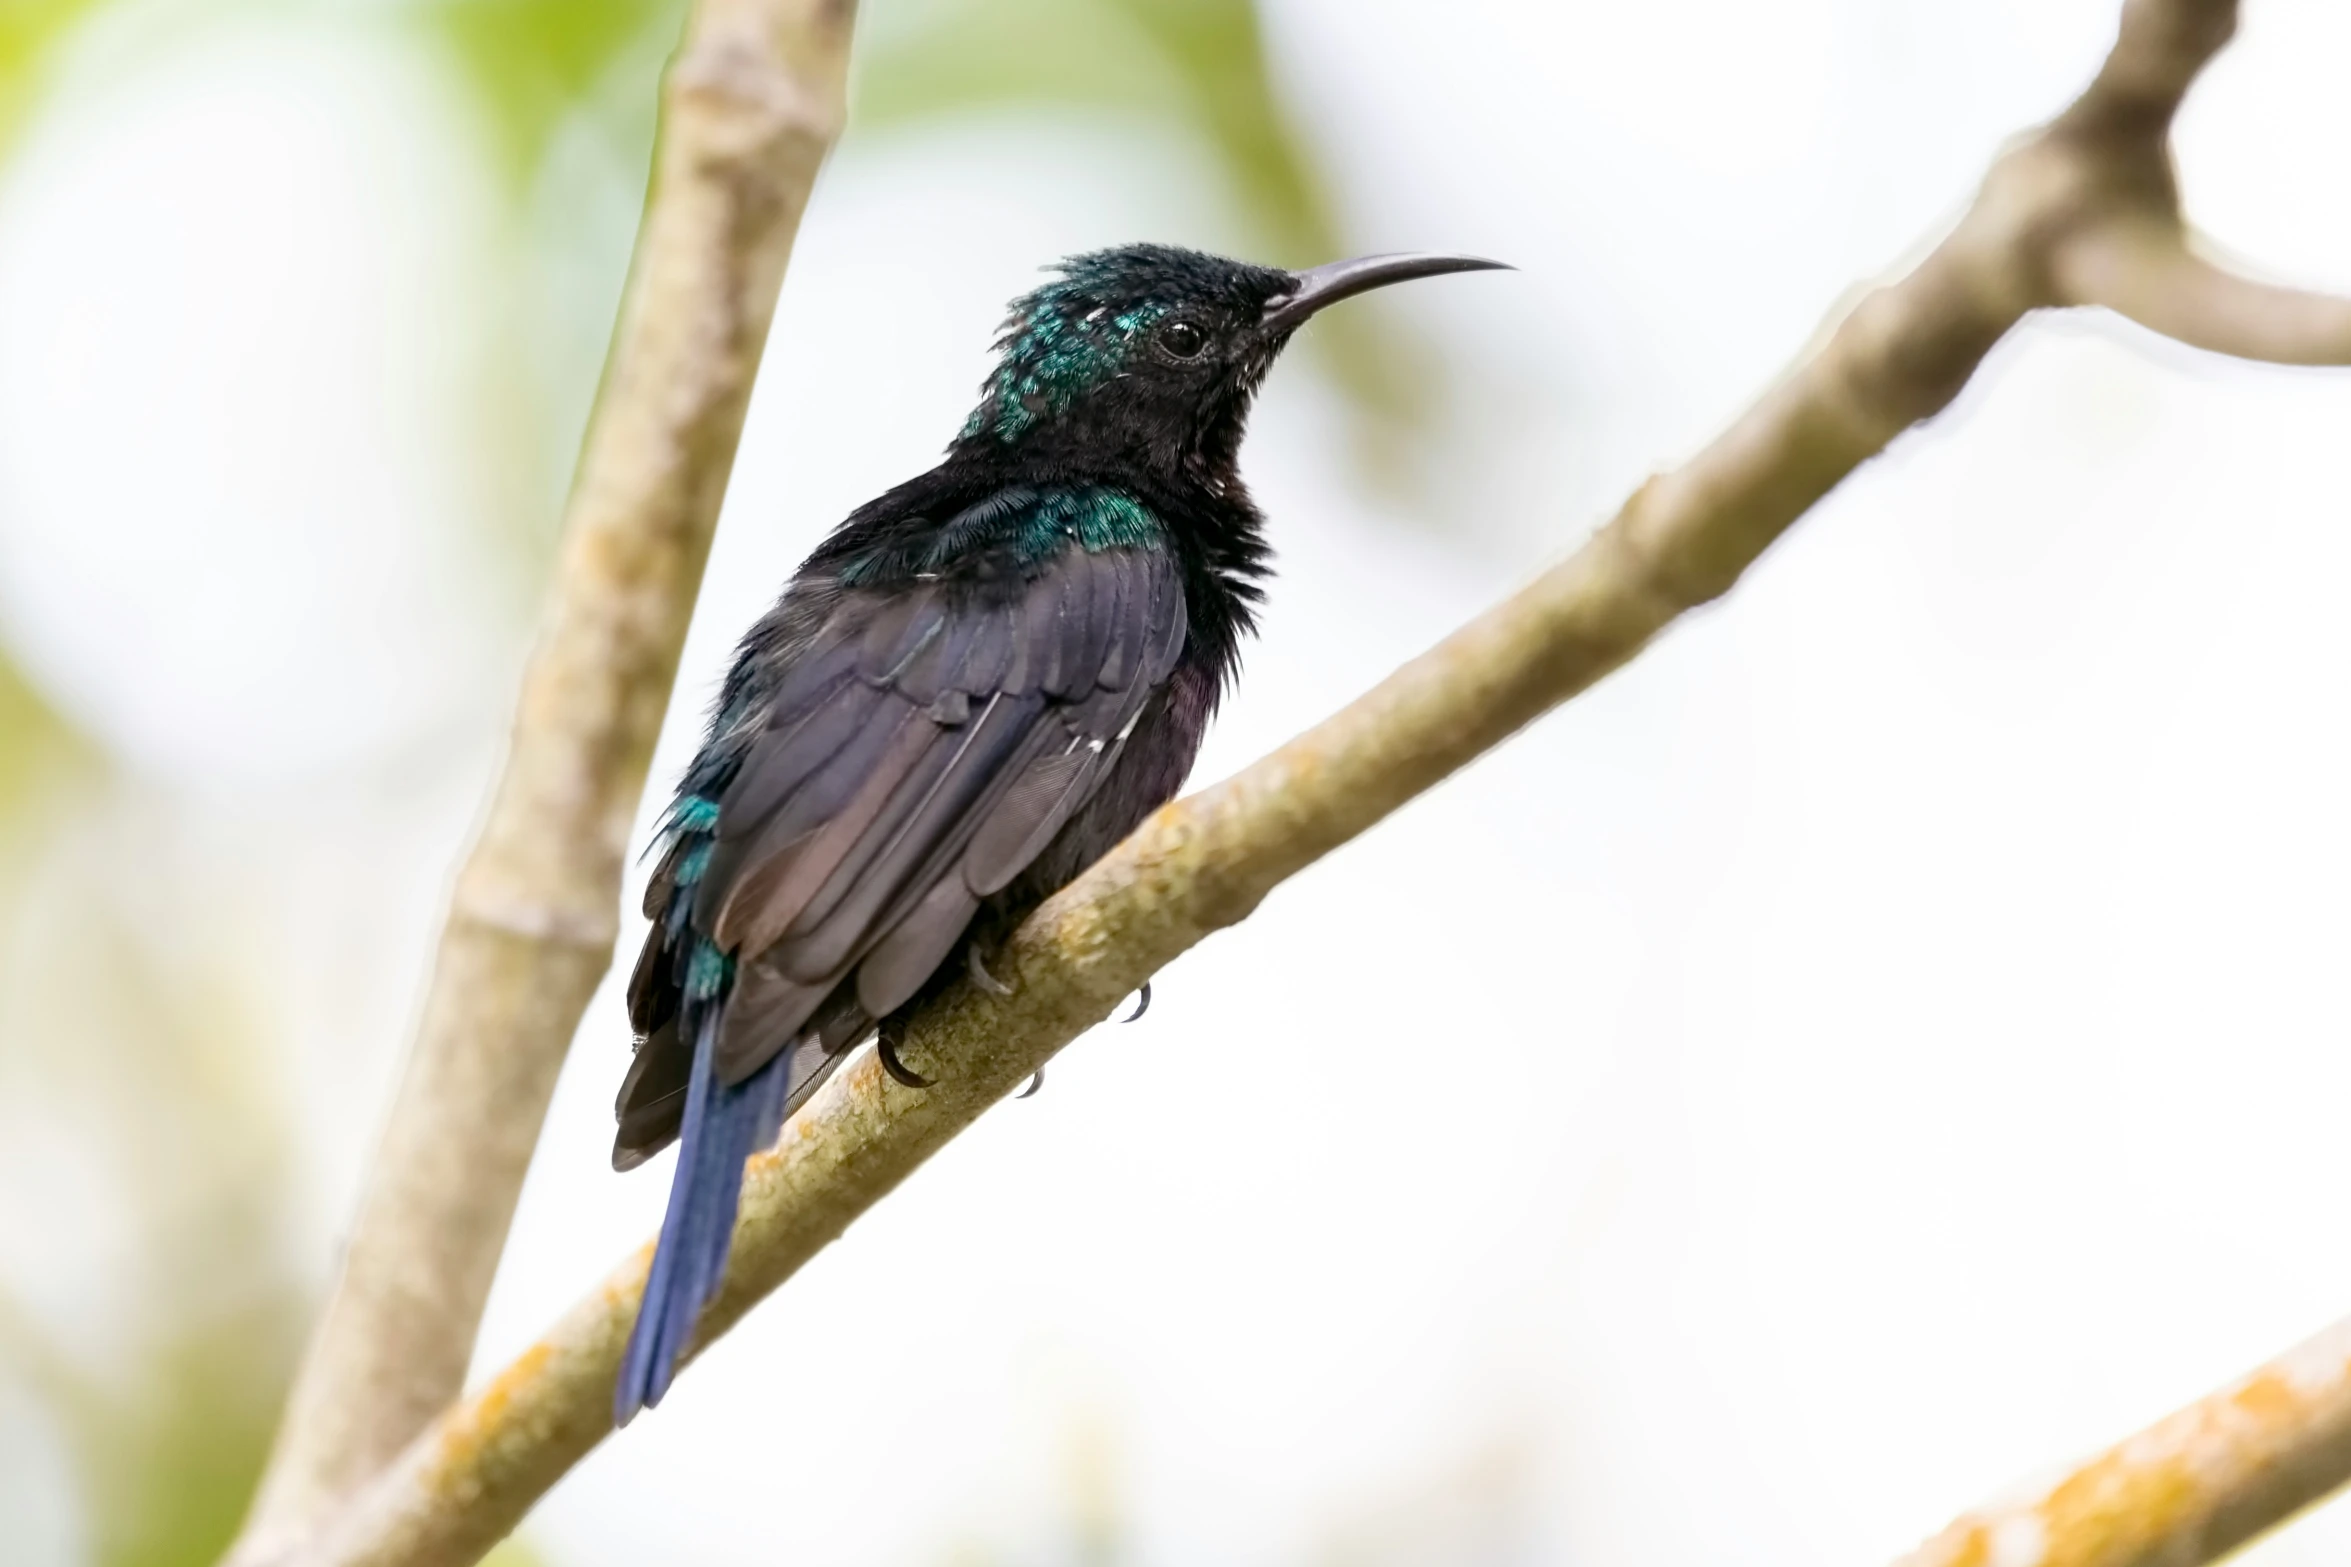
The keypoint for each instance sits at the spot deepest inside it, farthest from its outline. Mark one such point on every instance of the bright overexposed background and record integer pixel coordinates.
(1884, 1043)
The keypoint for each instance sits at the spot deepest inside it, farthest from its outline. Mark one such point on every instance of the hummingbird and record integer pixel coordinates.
(974, 687)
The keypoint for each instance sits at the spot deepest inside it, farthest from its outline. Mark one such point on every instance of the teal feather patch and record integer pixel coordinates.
(1098, 518)
(708, 971)
(694, 813)
(1056, 351)
(1034, 525)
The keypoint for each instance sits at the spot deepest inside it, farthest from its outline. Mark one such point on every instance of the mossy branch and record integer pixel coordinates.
(2084, 211)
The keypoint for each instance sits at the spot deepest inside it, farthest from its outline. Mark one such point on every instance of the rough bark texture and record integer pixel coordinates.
(752, 102)
(2083, 211)
(2188, 1489)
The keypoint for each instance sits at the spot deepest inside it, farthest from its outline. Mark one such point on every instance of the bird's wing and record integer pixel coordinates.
(917, 756)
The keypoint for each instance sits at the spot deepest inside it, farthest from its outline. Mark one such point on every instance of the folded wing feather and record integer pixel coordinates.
(921, 752)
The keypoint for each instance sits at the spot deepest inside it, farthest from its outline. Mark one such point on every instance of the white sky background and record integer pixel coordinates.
(1883, 1044)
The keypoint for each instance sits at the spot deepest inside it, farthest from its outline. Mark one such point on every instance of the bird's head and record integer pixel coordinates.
(1152, 352)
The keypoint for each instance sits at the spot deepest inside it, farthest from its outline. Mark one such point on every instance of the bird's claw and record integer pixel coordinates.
(1035, 1083)
(981, 977)
(886, 1049)
(1142, 1004)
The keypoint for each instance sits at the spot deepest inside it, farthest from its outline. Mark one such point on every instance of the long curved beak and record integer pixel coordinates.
(1337, 280)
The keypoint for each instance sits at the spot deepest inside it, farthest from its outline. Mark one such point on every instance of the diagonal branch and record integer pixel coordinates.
(2192, 1487)
(2085, 180)
(751, 104)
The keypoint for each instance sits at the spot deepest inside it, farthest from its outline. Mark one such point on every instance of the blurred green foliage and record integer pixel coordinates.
(32, 738)
(1198, 63)
(27, 30)
(176, 1112)
(27, 27)
(167, 1462)
(536, 61)
(168, 1452)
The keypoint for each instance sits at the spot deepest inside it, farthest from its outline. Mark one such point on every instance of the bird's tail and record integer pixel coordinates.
(723, 1127)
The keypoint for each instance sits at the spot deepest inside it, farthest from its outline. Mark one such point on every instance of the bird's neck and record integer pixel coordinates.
(1192, 450)
(1201, 511)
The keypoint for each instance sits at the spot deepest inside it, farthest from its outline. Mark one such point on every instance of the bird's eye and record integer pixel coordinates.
(1182, 339)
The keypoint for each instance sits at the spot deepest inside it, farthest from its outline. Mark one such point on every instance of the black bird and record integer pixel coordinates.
(973, 689)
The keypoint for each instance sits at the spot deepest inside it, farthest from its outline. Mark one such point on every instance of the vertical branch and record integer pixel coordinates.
(752, 102)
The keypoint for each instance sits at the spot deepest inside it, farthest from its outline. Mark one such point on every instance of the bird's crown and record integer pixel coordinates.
(1113, 314)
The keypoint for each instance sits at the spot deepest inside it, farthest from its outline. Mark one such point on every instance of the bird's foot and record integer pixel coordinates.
(1142, 1004)
(1035, 1083)
(886, 1049)
(981, 977)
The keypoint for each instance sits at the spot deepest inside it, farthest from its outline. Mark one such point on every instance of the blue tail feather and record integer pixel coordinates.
(723, 1127)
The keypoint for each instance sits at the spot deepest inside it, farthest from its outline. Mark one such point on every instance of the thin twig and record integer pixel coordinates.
(751, 104)
(2090, 178)
(2190, 1488)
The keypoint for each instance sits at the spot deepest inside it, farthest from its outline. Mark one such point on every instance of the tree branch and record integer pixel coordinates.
(2190, 1488)
(1205, 862)
(752, 101)
(2154, 276)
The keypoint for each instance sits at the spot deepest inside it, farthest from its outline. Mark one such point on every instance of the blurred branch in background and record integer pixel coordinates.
(2093, 183)
(751, 104)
